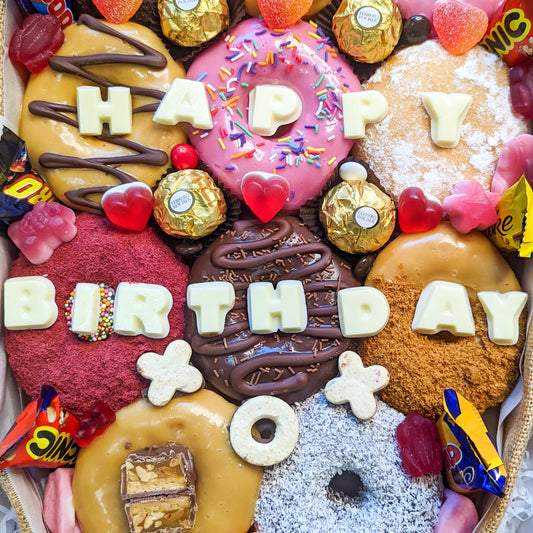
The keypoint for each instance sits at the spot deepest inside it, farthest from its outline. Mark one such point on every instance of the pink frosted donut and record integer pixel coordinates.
(303, 152)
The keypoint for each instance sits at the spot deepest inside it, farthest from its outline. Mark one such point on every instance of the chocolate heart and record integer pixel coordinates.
(417, 212)
(128, 206)
(264, 193)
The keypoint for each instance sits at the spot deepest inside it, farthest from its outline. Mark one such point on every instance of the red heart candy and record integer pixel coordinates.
(129, 205)
(416, 212)
(118, 11)
(265, 194)
(459, 26)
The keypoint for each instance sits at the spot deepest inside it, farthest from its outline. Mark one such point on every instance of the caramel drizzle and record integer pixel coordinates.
(242, 338)
(74, 65)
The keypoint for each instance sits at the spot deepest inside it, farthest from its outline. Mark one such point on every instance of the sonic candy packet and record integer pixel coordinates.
(471, 460)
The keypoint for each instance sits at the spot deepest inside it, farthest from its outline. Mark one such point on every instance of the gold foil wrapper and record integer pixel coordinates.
(367, 30)
(192, 22)
(187, 203)
(357, 217)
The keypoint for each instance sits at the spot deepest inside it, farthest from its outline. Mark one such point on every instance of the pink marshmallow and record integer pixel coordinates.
(516, 159)
(42, 230)
(457, 515)
(58, 510)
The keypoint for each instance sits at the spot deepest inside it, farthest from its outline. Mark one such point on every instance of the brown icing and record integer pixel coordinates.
(239, 363)
(122, 59)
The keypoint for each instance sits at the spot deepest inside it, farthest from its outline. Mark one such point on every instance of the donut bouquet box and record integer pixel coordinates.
(264, 264)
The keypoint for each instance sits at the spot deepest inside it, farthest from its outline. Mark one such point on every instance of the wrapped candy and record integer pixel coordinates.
(357, 216)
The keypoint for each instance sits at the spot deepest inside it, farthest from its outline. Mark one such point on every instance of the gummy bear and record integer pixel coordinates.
(94, 423)
(118, 11)
(279, 14)
(420, 449)
(521, 80)
(36, 42)
(417, 212)
(42, 230)
(458, 25)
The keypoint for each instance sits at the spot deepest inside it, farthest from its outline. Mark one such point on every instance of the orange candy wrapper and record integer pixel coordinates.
(42, 435)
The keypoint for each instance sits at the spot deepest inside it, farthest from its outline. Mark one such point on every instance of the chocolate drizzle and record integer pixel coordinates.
(240, 363)
(75, 65)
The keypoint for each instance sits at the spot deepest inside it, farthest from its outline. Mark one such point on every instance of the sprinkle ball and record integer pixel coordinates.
(300, 57)
(84, 371)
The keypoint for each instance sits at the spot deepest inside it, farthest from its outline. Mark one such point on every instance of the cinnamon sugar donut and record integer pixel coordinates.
(80, 168)
(399, 147)
(84, 372)
(422, 366)
(295, 496)
(239, 363)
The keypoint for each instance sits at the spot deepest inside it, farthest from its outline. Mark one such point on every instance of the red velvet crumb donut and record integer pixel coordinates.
(84, 372)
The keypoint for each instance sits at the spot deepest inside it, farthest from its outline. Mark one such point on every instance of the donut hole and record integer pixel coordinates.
(346, 485)
(264, 430)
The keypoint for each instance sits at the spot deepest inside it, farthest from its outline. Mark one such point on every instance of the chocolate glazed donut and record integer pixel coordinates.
(239, 363)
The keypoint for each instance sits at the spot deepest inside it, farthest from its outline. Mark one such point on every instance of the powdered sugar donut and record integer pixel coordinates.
(84, 372)
(399, 148)
(302, 152)
(294, 495)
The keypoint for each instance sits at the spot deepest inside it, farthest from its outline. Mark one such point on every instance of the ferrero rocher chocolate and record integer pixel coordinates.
(367, 30)
(356, 215)
(187, 203)
(192, 22)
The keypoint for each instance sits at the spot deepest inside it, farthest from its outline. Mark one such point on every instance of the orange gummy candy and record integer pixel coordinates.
(459, 26)
(118, 11)
(279, 14)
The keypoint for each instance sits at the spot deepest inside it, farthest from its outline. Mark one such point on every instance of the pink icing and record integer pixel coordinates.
(408, 8)
(58, 510)
(457, 515)
(516, 159)
(470, 206)
(305, 151)
(42, 230)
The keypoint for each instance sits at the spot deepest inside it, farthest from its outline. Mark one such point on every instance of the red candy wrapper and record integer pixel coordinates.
(20, 186)
(510, 32)
(42, 435)
(58, 8)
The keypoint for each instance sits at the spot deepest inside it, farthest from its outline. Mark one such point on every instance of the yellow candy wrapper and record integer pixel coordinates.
(471, 460)
(514, 229)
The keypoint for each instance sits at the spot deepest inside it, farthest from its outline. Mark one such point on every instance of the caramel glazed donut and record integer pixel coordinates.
(305, 493)
(241, 364)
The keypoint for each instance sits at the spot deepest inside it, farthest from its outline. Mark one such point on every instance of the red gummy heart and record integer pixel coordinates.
(265, 194)
(94, 423)
(420, 449)
(118, 11)
(279, 14)
(128, 206)
(459, 26)
(416, 212)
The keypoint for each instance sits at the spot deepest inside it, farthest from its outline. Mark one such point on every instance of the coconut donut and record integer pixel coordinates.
(302, 152)
(295, 493)
(84, 371)
(80, 168)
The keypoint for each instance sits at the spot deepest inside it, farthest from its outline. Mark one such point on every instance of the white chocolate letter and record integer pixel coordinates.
(271, 106)
(282, 309)
(185, 101)
(29, 303)
(361, 108)
(93, 112)
(211, 302)
(142, 308)
(363, 311)
(444, 306)
(503, 312)
(447, 112)
(85, 308)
